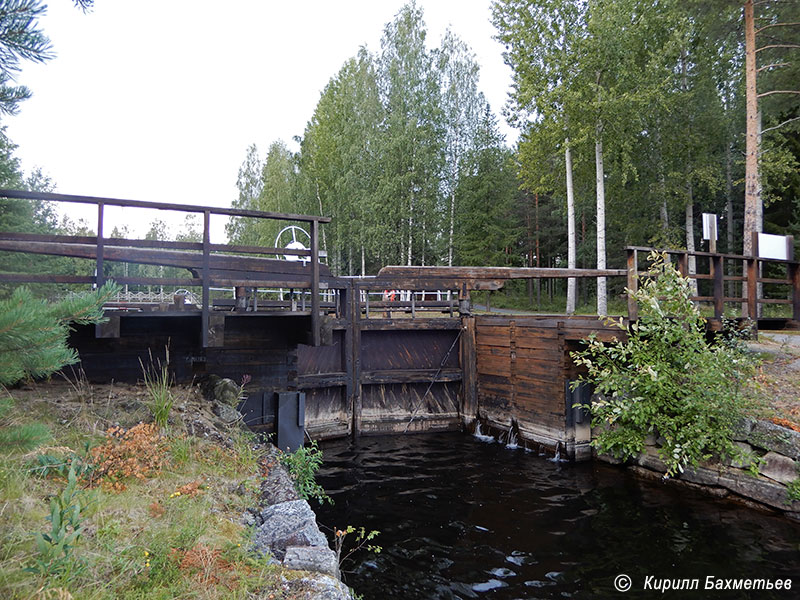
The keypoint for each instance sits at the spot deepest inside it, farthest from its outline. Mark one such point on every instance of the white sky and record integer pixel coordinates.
(159, 99)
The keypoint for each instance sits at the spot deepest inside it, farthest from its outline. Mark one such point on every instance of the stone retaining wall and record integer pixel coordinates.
(771, 464)
(286, 530)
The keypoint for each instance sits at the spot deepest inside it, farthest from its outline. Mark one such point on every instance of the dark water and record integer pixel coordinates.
(461, 518)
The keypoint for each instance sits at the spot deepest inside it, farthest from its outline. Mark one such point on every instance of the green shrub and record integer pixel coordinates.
(303, 465)
(666, 379)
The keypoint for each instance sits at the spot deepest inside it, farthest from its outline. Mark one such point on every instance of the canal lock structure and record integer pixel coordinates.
(463, 516)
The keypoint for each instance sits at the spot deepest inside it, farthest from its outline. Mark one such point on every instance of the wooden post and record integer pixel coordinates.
(99, 278)
(469, 369)
(100, 275)
(793, 270)
(718, 273)
(241, 298)
(315, 321)
(683, 264)
(794, 277)
(354, 371)
(206, 274)
(633, 283)
(414, 304)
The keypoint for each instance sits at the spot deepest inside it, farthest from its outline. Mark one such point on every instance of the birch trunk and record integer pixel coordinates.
(602, 300)
(570, 229)
(452, 228)
(729, 215)
(690, 234)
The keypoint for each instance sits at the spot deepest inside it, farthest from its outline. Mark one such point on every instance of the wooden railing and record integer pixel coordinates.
(750, 277)
(227, 270)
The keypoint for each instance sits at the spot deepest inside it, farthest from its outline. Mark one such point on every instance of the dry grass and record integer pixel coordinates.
(164, 521)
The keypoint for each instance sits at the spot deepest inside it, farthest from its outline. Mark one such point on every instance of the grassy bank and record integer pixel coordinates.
(157, 511)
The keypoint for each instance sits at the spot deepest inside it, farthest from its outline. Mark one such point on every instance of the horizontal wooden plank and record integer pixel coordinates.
(233, 212)
(321, 380)
(409, 324)
(410, 376)
(492, 340)
(495, 272)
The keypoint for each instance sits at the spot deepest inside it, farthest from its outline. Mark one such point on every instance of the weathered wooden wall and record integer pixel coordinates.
(523, 370)
(261, 346)
(386, 384)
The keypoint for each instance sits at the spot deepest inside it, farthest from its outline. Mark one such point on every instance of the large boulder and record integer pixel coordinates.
(287, 524)
(312, 558)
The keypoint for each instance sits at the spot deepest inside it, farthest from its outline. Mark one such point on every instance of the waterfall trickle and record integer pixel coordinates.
(482, 437)
(511, 438)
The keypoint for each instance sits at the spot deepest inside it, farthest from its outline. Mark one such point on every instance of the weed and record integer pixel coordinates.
(181, 449)
(303, 465)
(137, 452)
(58, 460)
(55, 547)
(361, 542)
(793, 491)
(158, 382)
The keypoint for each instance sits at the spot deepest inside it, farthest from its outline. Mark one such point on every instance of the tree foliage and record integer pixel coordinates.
(34, 332)
(665, 379)
(388, 153)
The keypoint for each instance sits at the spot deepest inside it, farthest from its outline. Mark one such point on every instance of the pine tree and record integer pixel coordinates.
(34, 332)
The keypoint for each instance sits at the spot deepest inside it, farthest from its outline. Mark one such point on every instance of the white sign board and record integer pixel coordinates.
(709, 226)
(773, 246)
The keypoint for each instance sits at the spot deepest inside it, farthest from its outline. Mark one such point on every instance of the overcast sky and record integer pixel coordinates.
(159, 99)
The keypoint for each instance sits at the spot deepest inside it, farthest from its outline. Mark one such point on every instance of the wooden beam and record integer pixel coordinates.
(206, 276)
(469, 382)
(233, 212)
(718, 271)
(315, 320)
(411, 376)
(497, 273)
(633, 283)
(169, 258)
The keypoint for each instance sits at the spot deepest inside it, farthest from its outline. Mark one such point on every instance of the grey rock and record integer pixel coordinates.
(609, 458)
(742, 429)
(701, 475)
(651, 460)
(287, 524)
(316, 587)
(312, 558)
(224, 390)
(758, 488)
(277, 487)
(227, 413)
(770, 436)
(747, 458)
(779, 468)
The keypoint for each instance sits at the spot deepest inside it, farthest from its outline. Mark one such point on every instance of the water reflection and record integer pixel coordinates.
(461, 518)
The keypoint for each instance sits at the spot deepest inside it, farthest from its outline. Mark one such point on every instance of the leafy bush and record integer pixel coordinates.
(666, 379)
(303, 465)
